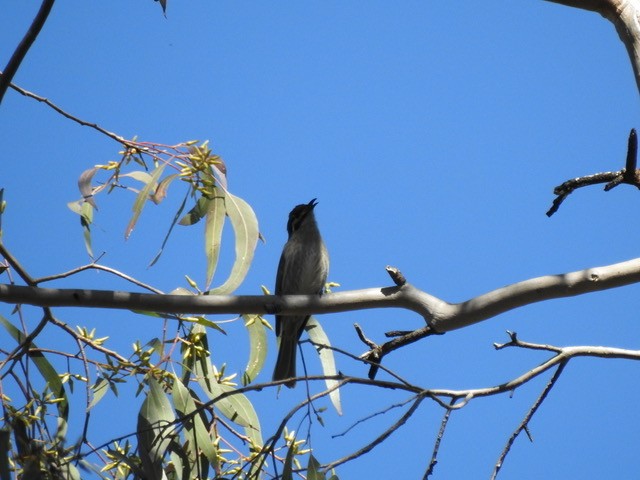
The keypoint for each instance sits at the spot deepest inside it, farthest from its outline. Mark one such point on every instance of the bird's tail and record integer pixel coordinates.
(286, 363)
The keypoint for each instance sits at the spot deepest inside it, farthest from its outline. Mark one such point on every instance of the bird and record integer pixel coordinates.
(303, 269)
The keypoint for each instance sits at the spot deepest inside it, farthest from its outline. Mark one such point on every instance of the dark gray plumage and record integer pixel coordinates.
(303, 269)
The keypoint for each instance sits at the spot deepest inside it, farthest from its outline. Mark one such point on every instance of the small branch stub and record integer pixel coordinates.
(396, 275)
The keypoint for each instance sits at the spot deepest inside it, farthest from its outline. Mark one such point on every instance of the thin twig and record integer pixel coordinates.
(524, 425)
(436, 446)
(62, 112)
(380, 438)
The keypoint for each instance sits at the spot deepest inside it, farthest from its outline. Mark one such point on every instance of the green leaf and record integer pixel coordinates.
(99, 389)
(237, 407)
(139, 175)
(84, 185)
(161, 191)
(142, 198)
(245, 226)
(287, 469)
(155, 430)
(173, 224)
(49, 374)
(213, 232)
(318, 336)
(198, 211)
(86, 219)
(5, 451)
(313, 469)
(196, 432)
(257, 347)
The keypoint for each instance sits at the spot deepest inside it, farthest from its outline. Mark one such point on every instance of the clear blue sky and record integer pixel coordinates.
(432, 134)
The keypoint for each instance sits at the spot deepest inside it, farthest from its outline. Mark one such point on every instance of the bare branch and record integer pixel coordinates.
(624, 15)
(440, 315)
(436, 447)
(23, 47)
(629, 175)
(524, 425)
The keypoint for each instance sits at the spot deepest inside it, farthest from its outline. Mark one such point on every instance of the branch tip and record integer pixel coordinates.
(396, 275)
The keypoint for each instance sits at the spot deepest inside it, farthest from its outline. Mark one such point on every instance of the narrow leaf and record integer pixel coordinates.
(173, 224)
(213, 231)
(49, 374)
(141, 176)
(154, 429)
(86, 219)
(318, 336)
(196, 431)
(194, 215)
(236, 407)
(287, 468)
(163, 187)
(5, 451)
(84, 185)
(313, 469)
(99, 389)
(257, 347)
(142, 198)
(245, 226)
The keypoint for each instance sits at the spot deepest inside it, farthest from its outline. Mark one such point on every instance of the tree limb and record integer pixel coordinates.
(440, 315)
(624, 15)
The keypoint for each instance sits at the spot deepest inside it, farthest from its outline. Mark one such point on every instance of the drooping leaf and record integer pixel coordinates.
(84, 185)
(287, 468)
(86, 219)
(196, 432)
(155, 430)
(213, 231)
(140, 175)
(319, 337)
(257, 347)
(245, 226)
(313, 469)
(163, 187)
(142, 198)
(49, 374)
(99, 389)
(235, 407)
(194, 215)
(220, 171)
(5, 451)
(173, 224)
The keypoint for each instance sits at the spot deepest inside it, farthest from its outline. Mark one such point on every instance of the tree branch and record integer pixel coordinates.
(440, 315)
(24, 46)
(624, 15)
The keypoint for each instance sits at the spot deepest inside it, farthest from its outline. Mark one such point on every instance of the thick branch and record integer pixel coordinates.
(440, 315)
(624, 15)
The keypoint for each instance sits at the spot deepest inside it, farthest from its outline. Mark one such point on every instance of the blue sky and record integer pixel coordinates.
(432, 134)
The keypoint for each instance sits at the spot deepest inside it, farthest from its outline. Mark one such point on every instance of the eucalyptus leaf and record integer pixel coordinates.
(318, 336)
(142, 198)
(213, 231)
(195, 431)
(245, 226)
(155, 429)
(257, 347)
(49, 374)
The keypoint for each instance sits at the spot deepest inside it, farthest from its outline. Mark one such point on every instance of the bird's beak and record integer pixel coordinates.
(312, 203)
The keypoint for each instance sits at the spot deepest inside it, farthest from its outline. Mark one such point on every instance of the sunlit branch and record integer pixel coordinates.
(440, 315)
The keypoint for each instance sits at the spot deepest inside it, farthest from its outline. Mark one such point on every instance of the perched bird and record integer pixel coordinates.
(302, 270)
